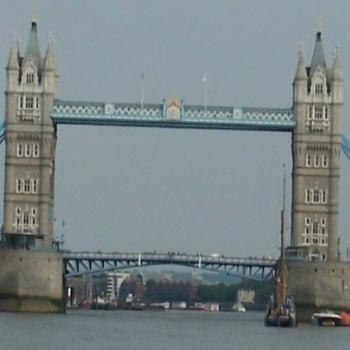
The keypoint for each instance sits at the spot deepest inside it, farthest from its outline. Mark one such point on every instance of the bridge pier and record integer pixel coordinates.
(318, 285)
(31, 281)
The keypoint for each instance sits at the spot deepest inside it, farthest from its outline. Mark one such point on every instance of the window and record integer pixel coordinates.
(308, 160)
(25, 218)
(20, 102)
(315, 228)
(307, 240)
(27, 150)
(30, 78)
(323, 221)
(325, 161)
(34, 211)
(308, 194)
(37, 104)
(315, 240)
(326, 113)
(307, 230)
(307, 221)
(34, 186)
(18, 186)
(36, 150)
(33, 222)
(29, 102)
(26, 186)
(18, 211)
(324, 197)
(318, 112)
(317, 160)
(319, 89)
(316, 196)
(19, 150)
(310, 112)
(323, 230)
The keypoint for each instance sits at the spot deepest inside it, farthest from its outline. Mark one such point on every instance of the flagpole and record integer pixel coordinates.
(142, 92)
(205, 90)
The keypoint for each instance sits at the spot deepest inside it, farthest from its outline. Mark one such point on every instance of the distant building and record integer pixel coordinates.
(113, 284)
(246, 296)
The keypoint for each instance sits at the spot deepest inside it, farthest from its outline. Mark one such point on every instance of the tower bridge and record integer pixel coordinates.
(32, 270)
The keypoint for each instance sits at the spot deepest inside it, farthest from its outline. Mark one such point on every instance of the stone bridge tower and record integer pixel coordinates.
(30, 146)
(31, 271)
(317, 104)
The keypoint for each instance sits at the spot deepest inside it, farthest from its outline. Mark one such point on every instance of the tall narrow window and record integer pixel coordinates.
(316, 196)
(27, 186)
(26, 218)
(34, 186)
(27, 150)
(308, 195)
(325, 161)
(319, 89)
(37, 103)
(18, 186)
(19, 150)
(326, 113)
(315, 228)
(317, 160)
(324, 197)
(36, 150)
(20, 102)
(29, 102)
(308, 160)
(318, 112)
(30, 78)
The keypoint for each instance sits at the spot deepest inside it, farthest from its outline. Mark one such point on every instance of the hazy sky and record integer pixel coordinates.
(138, 189)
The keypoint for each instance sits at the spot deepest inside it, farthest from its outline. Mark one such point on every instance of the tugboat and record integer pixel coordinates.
(280, 308)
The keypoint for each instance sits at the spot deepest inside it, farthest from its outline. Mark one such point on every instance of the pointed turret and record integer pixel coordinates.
(13, 63)
(50, 59)
(33, 49)
(300, 73)
(336, 69)
(318, 55)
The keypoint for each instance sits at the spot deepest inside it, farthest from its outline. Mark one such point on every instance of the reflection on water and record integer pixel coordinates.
(152, 330)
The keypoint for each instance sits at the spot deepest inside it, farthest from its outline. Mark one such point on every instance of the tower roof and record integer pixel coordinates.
(300, 73)
(49, 60)
(336, 69)
(318, 55)
(13, 63)
(33, 49)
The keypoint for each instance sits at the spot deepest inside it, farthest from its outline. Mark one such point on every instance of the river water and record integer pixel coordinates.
(166, 330)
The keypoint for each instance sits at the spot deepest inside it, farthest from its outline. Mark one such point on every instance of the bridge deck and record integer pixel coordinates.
(178, 116)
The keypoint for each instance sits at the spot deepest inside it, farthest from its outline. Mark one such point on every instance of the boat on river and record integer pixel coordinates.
(330, 318)
(280, 311)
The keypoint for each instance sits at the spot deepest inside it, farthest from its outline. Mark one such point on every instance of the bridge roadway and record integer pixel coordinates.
(80, 263)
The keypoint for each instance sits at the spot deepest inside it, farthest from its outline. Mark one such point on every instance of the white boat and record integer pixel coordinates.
(238, 307)
(327, 318)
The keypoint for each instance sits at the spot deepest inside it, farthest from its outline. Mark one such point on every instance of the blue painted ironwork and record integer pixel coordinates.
(345, 145)
(2, 132)
(76, 264)
(172, 115)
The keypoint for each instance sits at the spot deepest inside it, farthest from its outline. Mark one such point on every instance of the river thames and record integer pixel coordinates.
(168, 330)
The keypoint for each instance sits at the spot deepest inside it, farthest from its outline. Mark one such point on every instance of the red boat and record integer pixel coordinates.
(345, 319)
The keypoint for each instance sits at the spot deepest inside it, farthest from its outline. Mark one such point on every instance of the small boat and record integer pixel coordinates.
(326, 318)
(280, 311)
(238, 307)
(330, 318)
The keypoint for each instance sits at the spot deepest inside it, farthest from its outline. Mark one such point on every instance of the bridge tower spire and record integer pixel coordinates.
(317, 104)
(30, 146)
